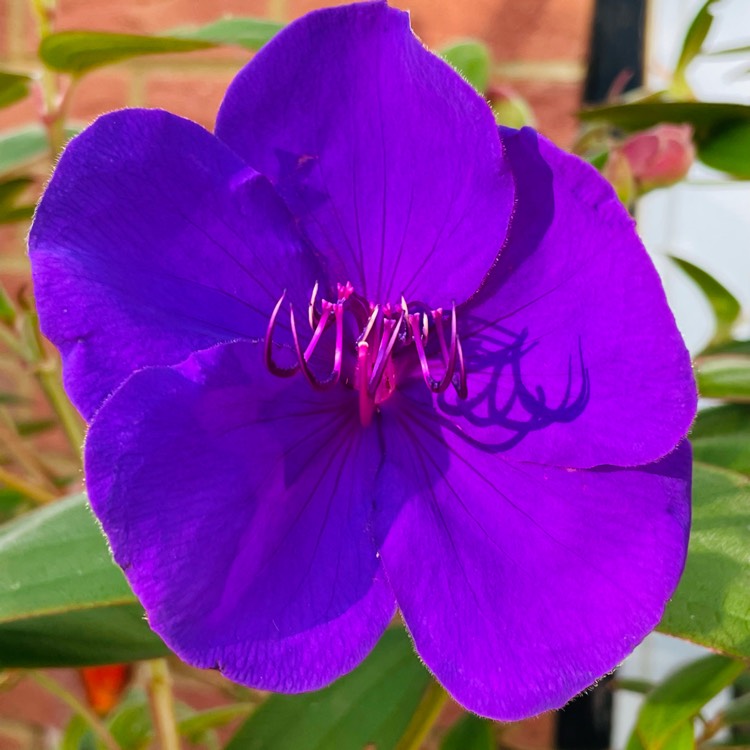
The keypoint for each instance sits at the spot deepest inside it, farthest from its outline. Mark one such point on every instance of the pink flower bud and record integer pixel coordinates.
(659, 156)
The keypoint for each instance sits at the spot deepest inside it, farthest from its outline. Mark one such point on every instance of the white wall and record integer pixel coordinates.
(705, 220)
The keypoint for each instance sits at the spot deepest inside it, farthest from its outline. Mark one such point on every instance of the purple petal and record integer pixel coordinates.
(523, 584)
(154, 240)
(572, 353)
(237, 504)
(390, 160)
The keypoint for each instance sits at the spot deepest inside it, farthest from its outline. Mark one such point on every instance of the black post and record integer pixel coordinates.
(616, 47)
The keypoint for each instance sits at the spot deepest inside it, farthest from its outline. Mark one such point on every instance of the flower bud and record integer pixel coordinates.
(659, 156)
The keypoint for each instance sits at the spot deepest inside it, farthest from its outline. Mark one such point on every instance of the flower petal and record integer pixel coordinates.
(237, 504)
(390, 160)
(521, 584)
(570, 345)
(154, 240)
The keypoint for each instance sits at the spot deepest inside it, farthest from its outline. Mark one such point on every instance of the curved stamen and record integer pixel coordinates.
(274, 369)
(304, 357)
(318, 332)
(387, 342)
(436, 386)
(438, 318)
(459, 382)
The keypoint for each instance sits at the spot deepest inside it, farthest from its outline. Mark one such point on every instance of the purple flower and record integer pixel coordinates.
(357, 352)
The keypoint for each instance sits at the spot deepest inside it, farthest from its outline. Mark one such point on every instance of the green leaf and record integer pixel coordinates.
(730, 51)
(193, 727)
(12, 215)
(11, 501)
(80, 51)
(724, 376)
(683, 738)
(370, 706)
(23, 146)
(691, 47)
(12, 188)
(472, 60)
(63, 601)
(77, 736)
(676, 701)
(721, 437)
(724, 304)
(35, 426)
(728, 149)
(738, 711)
(130, 724)
(469, 733)
(733, 347)
(705, 117)
(711, 606)
(633, 685)
(250, 33)
(13, 88)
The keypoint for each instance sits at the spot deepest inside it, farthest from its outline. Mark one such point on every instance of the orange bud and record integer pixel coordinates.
(105, 685)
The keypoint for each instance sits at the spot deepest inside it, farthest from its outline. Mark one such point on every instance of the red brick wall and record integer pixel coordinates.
(539, 47)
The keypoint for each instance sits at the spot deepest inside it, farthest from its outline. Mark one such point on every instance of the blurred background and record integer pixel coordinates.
(555, 55)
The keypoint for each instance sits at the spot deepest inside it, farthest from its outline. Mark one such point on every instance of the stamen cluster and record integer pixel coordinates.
(385, 330)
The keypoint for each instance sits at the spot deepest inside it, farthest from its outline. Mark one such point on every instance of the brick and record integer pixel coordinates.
(555, 106)
(148, 16)
(30, 703)
(531, 30)
(99, 92)
(24, 112)
(196, 97)
(4, 28)
(532, 734)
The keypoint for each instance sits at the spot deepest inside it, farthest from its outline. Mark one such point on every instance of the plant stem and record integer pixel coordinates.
(27, 489)
(48, 375)
(21, 453)
(424, 717)
(97, 727)
(162, 704)
(52, 114)
(47, 371)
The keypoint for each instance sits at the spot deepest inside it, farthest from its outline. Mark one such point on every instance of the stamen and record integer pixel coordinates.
(274, 369)
(382, 327)
(387, 342)
(318, 332)
(459, 382)
(450, 362)
(304, 357)
(438, 318)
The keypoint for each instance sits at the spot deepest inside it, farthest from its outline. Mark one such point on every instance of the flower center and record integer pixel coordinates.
(384, 332)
